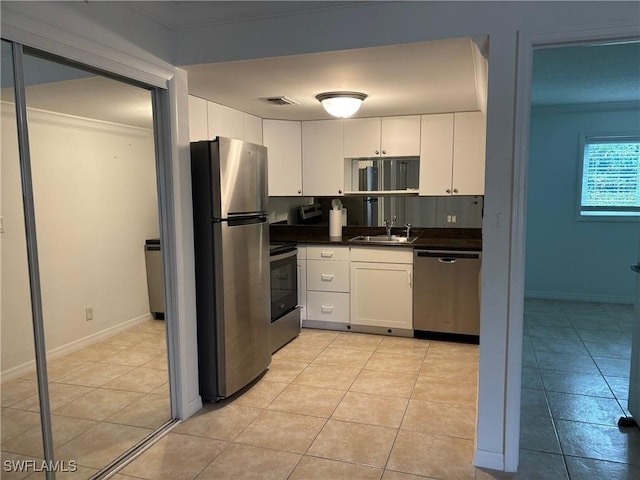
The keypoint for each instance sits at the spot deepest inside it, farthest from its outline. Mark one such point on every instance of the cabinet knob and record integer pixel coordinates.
(340, 192)
(299, 191)
(384, 152)
(448, 190)
(377, 152)
(455, 190)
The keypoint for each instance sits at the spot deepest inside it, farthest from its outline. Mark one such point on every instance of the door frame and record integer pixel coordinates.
(527, 43)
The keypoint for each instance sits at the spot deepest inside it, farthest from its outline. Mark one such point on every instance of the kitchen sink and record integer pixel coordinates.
(383, 239)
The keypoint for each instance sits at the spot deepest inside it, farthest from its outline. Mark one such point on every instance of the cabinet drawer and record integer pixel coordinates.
(328, 307)
(328, 252)
(327, 276)
(382, 254)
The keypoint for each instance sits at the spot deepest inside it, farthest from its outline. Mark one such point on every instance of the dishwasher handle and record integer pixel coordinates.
(446, 256)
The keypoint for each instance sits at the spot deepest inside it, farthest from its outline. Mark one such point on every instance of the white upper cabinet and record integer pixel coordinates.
(436, 154)
(224, 121)
(469, 133)
(361, 137)
(322, 158)
(197, 119)
(452, 150)
(386, 136)
(252, 128)
(283, 140)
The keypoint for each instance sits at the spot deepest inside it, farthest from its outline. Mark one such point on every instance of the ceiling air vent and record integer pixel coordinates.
(281, 100)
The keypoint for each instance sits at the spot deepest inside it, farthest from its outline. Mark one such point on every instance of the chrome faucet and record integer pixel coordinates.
(408, 227)
(388, 225)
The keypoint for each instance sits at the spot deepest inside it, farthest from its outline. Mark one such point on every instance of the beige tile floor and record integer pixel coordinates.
(103, 399)
(334, 406)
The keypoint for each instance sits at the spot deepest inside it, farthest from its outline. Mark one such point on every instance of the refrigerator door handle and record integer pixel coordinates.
(245, 220)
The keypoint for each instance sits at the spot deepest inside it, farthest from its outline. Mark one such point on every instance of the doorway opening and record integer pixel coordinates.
(579, 291)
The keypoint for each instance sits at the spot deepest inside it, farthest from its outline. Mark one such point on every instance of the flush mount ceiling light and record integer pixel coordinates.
(341, 104)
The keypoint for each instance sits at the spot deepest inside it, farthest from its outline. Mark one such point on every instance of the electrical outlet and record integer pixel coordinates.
(88, 313)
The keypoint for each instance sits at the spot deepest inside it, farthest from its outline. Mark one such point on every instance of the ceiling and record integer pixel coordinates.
(586, 74)
(426, 77)
(180, 15)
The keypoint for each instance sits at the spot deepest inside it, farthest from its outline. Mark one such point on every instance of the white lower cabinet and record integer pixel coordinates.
(327, 285)
(381, 291)
(330, 307)
(302, 282)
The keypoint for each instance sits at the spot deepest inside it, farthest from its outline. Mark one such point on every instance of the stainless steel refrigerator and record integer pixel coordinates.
(231, 238)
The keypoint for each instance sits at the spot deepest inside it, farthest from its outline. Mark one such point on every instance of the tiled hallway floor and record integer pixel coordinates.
(103, 399)
(575, 381)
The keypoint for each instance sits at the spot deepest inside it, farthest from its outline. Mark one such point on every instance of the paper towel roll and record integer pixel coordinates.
(335, 223)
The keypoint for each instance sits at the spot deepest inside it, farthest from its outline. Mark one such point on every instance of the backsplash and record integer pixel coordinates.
(427, 212)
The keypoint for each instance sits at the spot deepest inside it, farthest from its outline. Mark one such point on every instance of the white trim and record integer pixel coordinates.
(579, 297)
(27, 367)
(491, 460)
(527, 42)
(34, 33)
(46, 117)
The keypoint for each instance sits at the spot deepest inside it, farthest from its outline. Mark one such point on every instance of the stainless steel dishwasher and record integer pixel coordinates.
(446, 291)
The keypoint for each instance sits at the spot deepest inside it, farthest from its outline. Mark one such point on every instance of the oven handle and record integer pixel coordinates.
(283, 256)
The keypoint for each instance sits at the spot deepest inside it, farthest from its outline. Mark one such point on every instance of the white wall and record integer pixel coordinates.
(568, 258)
(96, 203)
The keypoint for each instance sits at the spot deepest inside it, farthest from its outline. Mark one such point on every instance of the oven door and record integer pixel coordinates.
(284, 283)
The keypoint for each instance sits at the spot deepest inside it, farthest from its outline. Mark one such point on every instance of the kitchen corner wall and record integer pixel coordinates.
(567, 258)
(96, 203)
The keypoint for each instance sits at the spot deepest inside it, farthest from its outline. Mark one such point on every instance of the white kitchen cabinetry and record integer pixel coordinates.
(469, 134)
(322, 158)
(197, 119)
(252, 128)
(327, 285)
(283, 140)
(452, 151)
(382, 137)
(224, 121)
(381, 288)
(302, 282)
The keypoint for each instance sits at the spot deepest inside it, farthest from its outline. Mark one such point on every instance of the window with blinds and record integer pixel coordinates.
(610, 176)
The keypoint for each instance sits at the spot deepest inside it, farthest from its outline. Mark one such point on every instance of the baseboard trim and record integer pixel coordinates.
(24, 368)
(491, 460)
(578, 297)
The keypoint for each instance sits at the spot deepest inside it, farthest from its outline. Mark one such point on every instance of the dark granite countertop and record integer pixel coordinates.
(435, 238)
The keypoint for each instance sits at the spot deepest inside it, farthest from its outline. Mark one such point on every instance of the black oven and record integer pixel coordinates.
(285, 315)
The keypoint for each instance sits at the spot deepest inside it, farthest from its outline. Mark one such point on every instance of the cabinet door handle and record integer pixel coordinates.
(326, 277)
(409, 277)
(326, 308)
(324, 254)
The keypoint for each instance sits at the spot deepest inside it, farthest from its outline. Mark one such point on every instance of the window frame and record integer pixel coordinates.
(584, 140)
